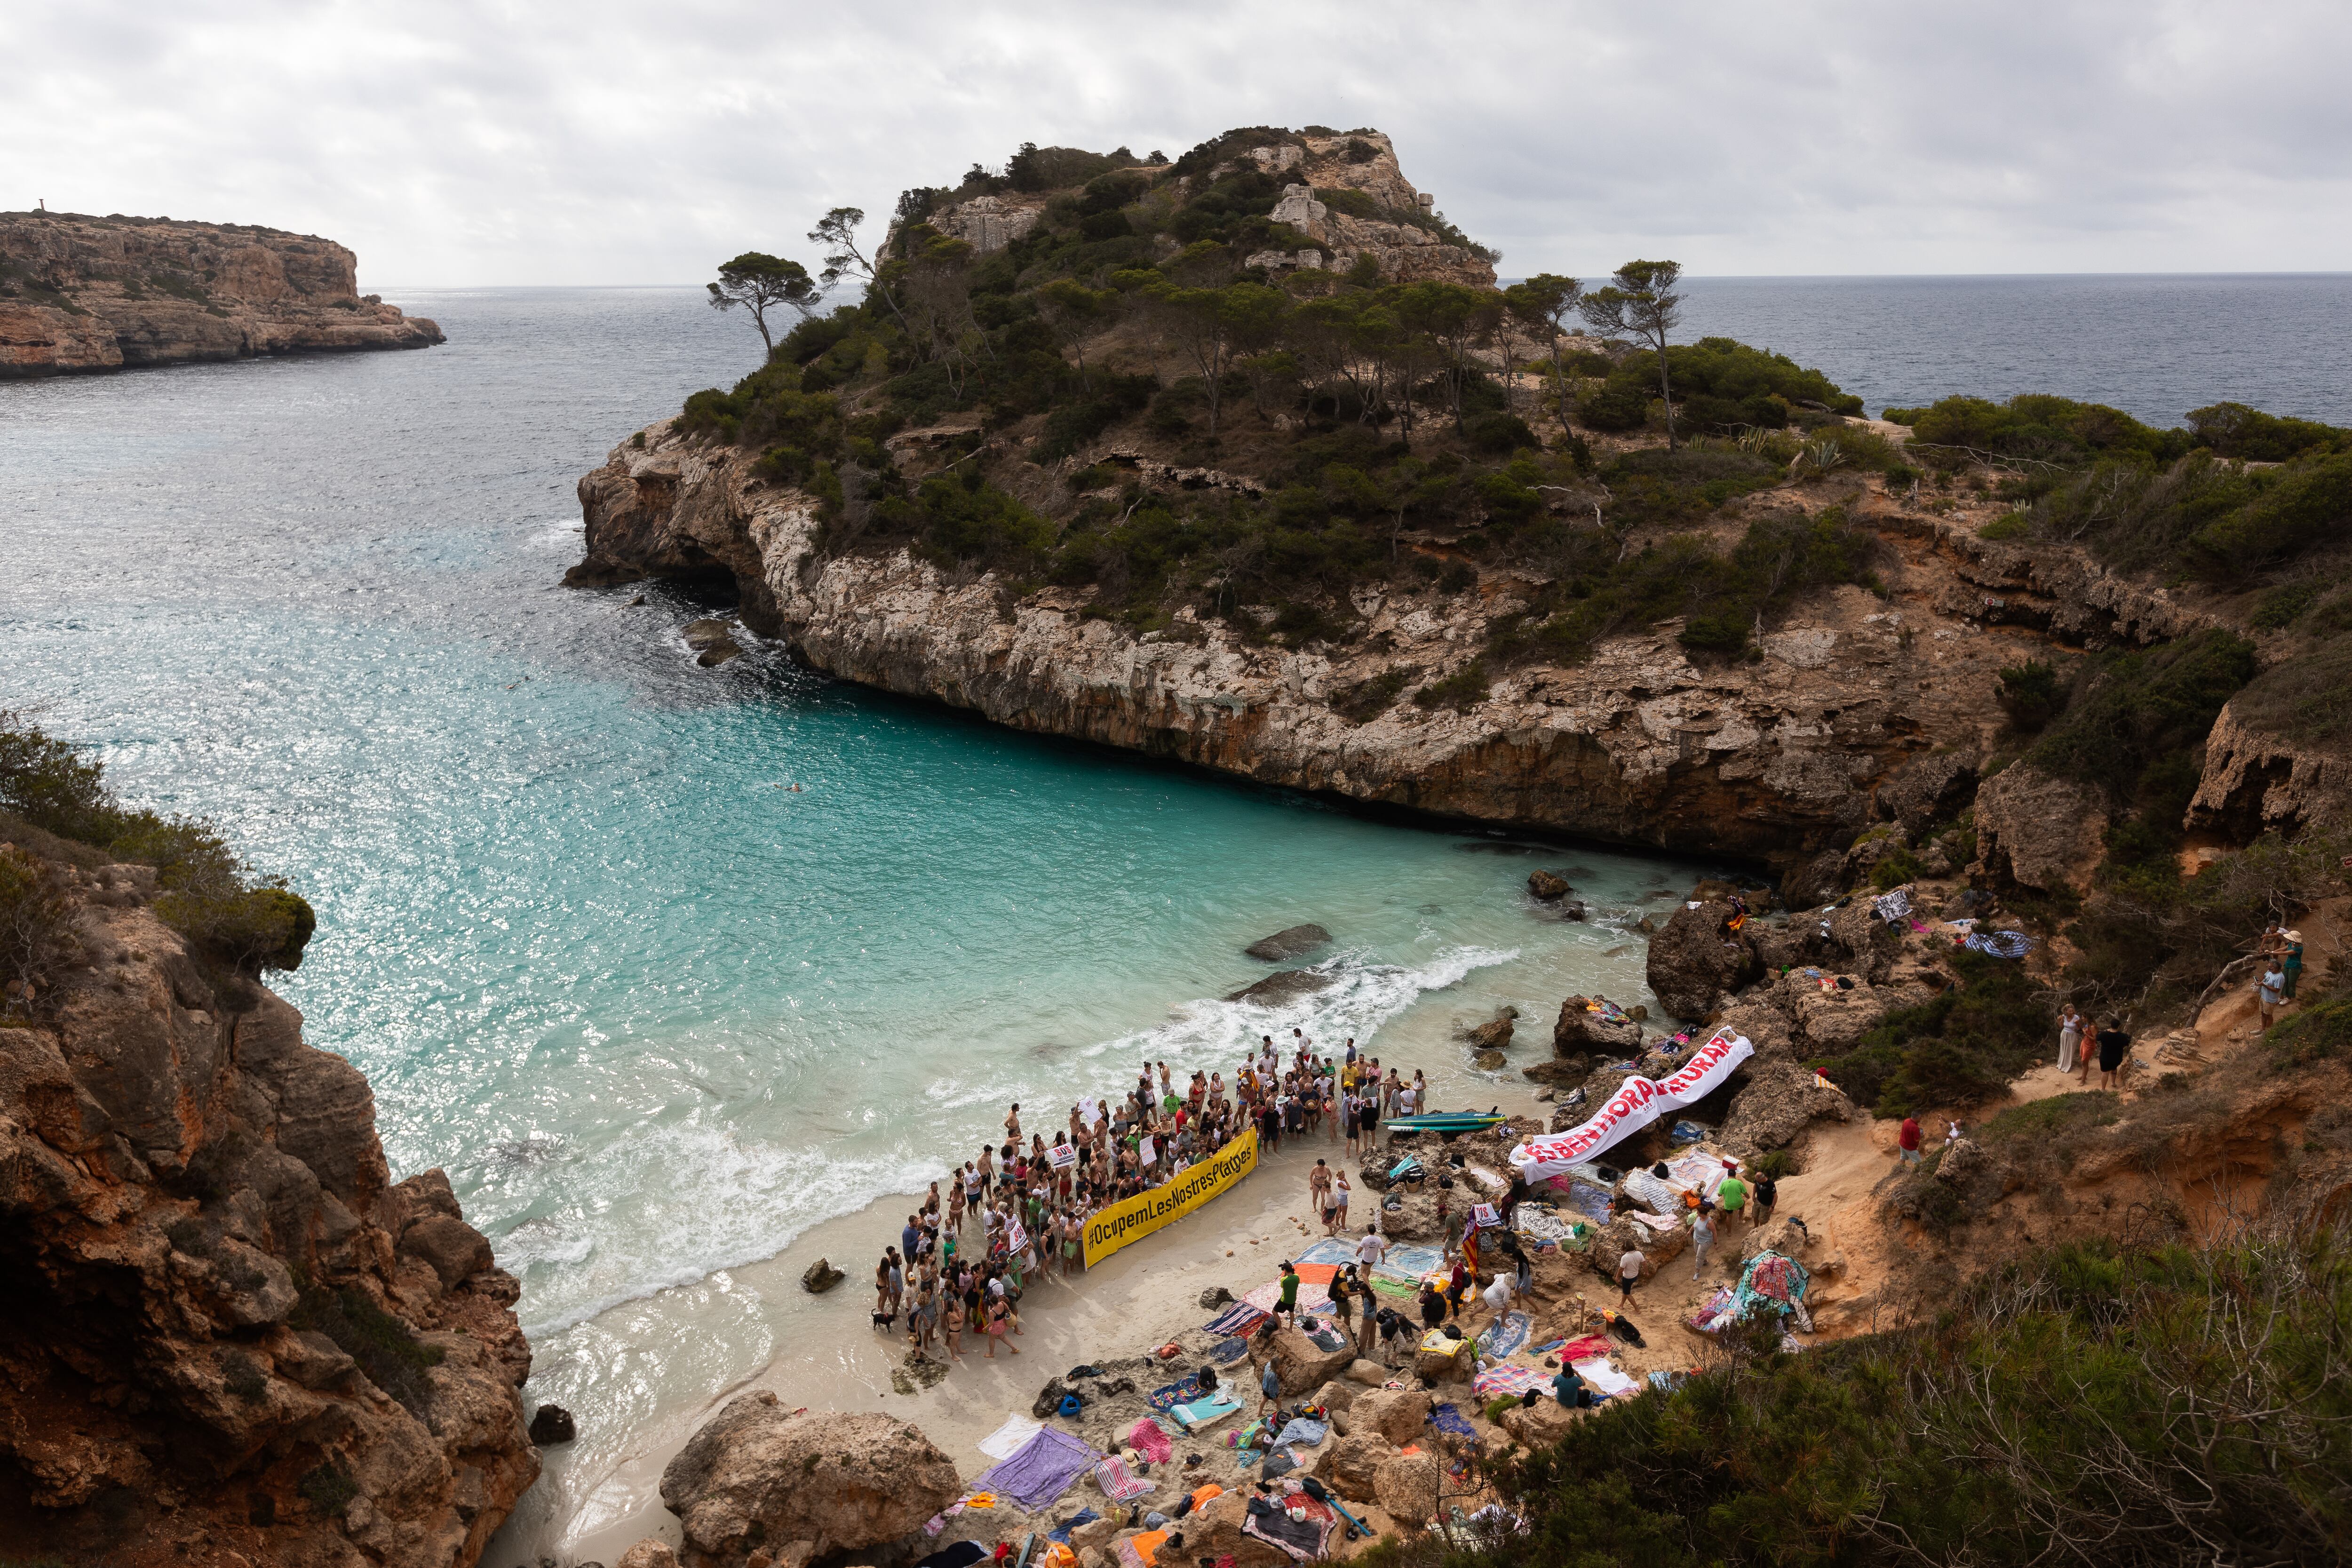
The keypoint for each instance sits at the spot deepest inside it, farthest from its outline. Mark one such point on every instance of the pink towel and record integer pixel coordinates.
(1147, 1439)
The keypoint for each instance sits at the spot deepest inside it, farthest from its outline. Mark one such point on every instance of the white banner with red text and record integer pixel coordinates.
(1638, 1102)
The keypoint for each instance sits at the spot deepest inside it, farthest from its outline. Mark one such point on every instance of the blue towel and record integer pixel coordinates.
(1302, 1430)
(1224, 1352)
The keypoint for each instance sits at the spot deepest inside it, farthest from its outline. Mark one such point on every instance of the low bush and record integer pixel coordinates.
(2304, 699)
(2168, 1404)
(392, 1356)
(2031, 694)
(2132, 709)
(2316, 1031)
(1465, 688)
(2036, 427)
(1953, 1049)
(2234, 430)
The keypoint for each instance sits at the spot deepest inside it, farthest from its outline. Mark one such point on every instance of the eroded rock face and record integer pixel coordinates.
(2253, 781)
(755, 1474)
(1694, 963)
(2039, 831)
(175, 1166)
(1774, 760)
(152, 291)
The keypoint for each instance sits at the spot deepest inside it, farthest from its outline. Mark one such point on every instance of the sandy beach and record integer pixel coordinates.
(602, 1493)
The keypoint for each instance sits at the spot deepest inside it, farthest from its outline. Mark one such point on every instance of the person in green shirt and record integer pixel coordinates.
(1289, 1306)
(1731, 1197)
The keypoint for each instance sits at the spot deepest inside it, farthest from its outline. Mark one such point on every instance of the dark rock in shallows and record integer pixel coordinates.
(1295, 942)
(1286, 986)
(553, 1424)
(1548, 884)
(820, 1276)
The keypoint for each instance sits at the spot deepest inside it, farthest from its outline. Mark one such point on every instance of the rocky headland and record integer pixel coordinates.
(85, 293)
(231, 1338)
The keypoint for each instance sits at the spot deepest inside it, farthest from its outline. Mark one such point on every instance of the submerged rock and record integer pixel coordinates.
(552, 1424)
(1548, 884)
(1293, 941)
(1286, 986)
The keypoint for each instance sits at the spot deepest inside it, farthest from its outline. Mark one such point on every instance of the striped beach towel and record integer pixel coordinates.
(1241, 1317)
(1118, 1482)
(1511, 1379)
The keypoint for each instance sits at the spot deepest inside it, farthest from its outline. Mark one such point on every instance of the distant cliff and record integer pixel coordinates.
(82, 293)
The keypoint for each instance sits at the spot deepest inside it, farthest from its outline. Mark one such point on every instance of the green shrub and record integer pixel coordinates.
(2037, 427)
(328, 1489)
(1465, 688)
(1614, 408)
(2305, 505)
(2316, 1031)
(1962, 1045)
(2234, 430)
(1368, 700)
(2133, 708)
(392, 1356)
(2305, 700)
(1895, 867)
(2031, 694)
(2079, 1394)
(1497, 433)
(2011, 526)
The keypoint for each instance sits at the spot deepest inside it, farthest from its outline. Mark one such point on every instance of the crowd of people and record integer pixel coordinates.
(1016, 1212)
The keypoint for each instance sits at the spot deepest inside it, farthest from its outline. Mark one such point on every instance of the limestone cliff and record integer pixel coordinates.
(1345, 193)
(1769, 760)
(82, 293)
(229, 1338)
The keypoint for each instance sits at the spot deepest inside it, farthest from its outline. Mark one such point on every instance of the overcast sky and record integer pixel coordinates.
(514, 142)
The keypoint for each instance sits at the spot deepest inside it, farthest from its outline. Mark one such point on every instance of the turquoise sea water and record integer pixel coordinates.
(653, 1012)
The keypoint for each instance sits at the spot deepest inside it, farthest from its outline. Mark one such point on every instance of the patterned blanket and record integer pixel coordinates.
(1510, 1378)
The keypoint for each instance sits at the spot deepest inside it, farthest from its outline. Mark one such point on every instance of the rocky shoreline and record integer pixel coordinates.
(1771, 762)
(79, 293)
(231, 1338)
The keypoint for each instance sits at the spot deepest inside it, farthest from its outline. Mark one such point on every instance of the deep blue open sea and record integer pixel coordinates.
(656, 1014)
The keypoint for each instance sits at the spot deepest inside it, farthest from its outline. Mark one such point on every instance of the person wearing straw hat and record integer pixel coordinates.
(2291, 960)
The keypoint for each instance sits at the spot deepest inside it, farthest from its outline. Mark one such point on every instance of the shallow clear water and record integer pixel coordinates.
(654, 1013)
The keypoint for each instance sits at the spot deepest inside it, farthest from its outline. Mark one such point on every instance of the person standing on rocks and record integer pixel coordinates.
(2270, 991)
(1269, 1388)
(1286, 1306)
(2070, 1039)
(2291, 960)
(1906, 1143)
(1731, 1194)
(1702, 1237)
(1760, 1202)
(1629, 1272)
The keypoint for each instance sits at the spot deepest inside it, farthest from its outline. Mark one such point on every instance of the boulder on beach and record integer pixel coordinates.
(1406, 1487)
(1396, 1415)
(1579, 1032)
(1548, 884)
(1694, 963)
(755, 1473)
(1216, 1296)
(1496, 1033)
(553, 1424)
(1293, 941)
(1350, 1464)
(653, 1551)
(1303, 1365)
(820, 1276)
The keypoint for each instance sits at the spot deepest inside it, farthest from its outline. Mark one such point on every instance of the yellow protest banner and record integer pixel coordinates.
(1132, 1219)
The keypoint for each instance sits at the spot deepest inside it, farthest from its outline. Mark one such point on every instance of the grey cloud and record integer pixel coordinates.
(628, 142)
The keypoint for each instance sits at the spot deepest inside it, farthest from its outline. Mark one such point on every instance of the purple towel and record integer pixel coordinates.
(1039, 1470)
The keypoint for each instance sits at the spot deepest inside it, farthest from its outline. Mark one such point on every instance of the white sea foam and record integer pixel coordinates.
(667, 1205)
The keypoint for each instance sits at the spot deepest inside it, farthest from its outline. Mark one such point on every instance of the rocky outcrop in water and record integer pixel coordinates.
(229, 1337)
(82, 293)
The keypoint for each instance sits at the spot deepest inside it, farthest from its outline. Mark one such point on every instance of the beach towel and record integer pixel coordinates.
(1146, 1438)
(1666, 1381)
(1388, 1286)
(1437, 1339)
(1119, 1483)
(1061, 1532)
(1174, 1394)
(1657, 1196)
(1715, 1313)
(1040, 1470)
(1330, 1249)
(1892, 907)
(1685, 1133)
(1301, 1429)
(1224, 1352)
(1241, 1317)
(1324, 1337)
(1591, 1202)
(1590, 1345)
(1411, 1262)
(1143, 1551)
(1445, 1418)
(1315, 1274)
(1265, 1298)
(1505, 1338)
(1604, 1380)
(1656, 1223)
(2001, 944)
(1696, 1170)
(1303, 1539)
(1205, 1413)
(1007, 1439)
(1510, 1378)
